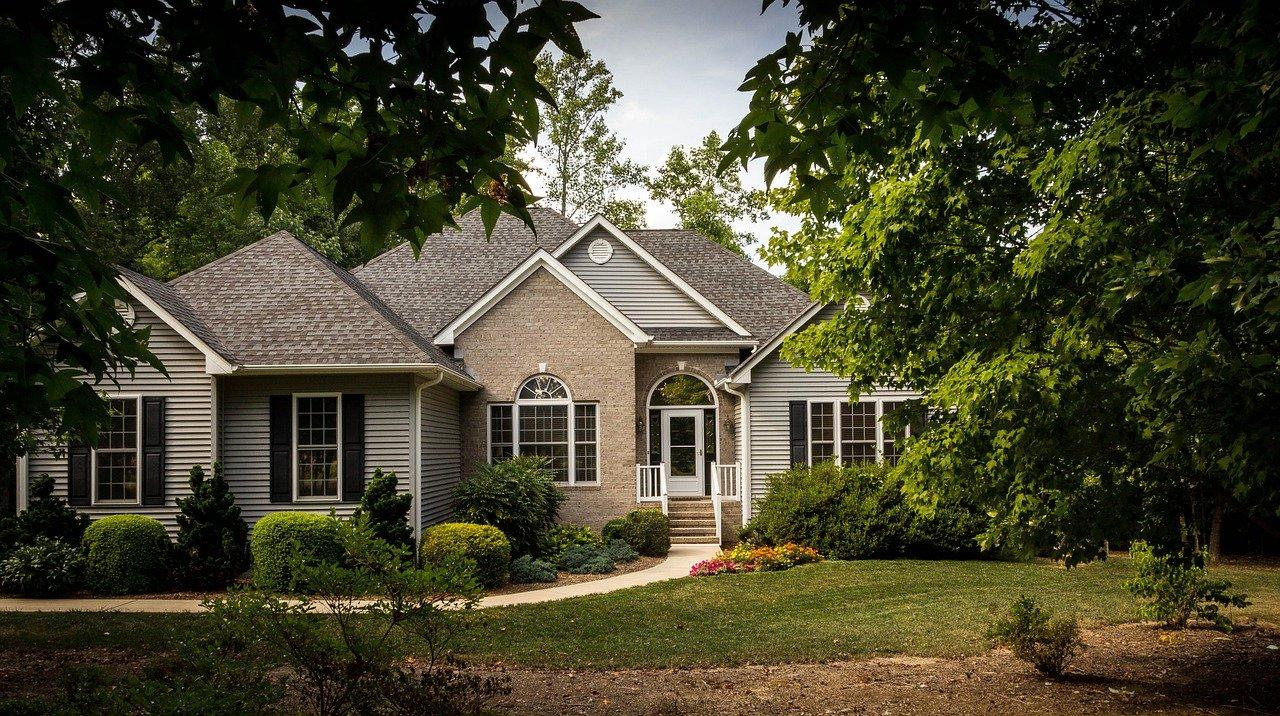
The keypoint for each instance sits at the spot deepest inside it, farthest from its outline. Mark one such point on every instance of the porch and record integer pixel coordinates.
(697, 517)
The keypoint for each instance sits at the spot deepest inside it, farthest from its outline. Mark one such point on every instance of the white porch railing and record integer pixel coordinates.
(651, 484)
(716, 507)
(729, 477)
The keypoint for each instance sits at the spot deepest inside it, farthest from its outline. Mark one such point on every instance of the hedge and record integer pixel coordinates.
(281, 538)
(483, 545)
(126, 554)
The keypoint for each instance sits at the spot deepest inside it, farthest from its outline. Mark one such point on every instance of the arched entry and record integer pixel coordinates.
(683, 432)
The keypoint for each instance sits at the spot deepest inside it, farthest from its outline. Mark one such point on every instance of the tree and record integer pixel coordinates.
(583, 160)
(1066, 218)
(386, 510)
(396, 115)
(213, 539)
(705, 198)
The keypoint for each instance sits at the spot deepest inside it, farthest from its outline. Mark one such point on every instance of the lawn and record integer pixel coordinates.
(815, 613)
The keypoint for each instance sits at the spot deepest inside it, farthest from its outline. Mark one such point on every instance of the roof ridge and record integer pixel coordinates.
(226, 257)
(404, 333)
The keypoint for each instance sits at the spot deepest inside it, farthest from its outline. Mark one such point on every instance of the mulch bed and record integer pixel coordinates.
(1125, 669)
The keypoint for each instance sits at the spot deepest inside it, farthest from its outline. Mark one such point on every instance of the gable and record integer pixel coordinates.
(539, 310)
(635, 287)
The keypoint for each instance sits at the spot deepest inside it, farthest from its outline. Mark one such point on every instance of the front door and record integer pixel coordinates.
(682, 451)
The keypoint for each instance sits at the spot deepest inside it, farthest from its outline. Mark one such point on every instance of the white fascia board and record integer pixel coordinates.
(541, 259)
(214, 364)
(599, 221)
(742, 374)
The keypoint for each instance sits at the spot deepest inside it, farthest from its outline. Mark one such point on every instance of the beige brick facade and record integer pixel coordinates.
(542, 321)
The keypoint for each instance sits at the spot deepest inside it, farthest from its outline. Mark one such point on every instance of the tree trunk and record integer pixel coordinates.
(1215, 524)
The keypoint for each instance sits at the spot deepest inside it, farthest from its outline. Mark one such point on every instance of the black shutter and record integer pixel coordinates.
(153, 451)
(78, 457)
(352, 447)
(280, 457)
(799, 412)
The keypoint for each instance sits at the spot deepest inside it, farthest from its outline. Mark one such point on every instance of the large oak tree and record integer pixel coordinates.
(1067, 220)
(396, 113)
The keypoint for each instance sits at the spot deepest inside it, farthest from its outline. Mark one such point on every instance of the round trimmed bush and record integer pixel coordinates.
(647, 531)
(126, 554)
(282, 538)
(483, 545)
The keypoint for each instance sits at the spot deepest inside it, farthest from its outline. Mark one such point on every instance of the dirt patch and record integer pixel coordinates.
(1128, 669)
(564, 578)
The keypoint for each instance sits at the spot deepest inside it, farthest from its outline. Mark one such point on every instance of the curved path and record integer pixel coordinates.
(677, 564)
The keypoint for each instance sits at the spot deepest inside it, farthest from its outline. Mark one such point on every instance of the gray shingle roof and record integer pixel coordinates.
(279, 302)
(457, 267)
(694, 333)
(763, 303)
(169, 299)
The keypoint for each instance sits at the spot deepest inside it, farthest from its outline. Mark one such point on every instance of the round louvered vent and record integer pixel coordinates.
(600, 250)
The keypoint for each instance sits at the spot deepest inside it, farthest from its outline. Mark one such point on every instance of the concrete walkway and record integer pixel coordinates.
(677, 564)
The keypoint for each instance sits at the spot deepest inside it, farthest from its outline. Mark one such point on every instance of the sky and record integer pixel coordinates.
(678, 65)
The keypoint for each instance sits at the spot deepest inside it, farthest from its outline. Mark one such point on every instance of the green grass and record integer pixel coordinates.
(815, 613)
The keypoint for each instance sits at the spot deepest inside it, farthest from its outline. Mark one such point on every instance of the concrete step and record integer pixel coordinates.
(680, 539)
(706, 522)
(693, 532)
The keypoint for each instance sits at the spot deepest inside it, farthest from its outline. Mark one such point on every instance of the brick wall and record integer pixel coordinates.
(542, 321)
(652, 367)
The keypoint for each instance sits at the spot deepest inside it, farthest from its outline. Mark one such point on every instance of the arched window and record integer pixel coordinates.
(545, 422)
(681, 389)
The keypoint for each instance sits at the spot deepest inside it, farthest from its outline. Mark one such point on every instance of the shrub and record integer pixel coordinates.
(565, 535)
(586, 559)
(340, 652)
(484, 545)
(386, 509)
(126, 554)
(1176, 589)
(647, 531)
(283, 540)
(527, 570)
(1036, 636)
(858, 512)
(518, 496)
(213, 539)
(619, 551)
(46, 516)
(44, 568)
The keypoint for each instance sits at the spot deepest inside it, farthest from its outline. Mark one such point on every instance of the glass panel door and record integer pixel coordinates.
(682, 448)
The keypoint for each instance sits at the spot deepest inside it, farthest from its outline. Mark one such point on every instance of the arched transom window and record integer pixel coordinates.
(680, 390)
(544, 421)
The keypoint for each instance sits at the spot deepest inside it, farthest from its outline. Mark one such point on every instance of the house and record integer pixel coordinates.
(642, 364)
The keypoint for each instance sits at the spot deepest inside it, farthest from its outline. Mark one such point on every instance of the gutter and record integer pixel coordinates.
(744, 446)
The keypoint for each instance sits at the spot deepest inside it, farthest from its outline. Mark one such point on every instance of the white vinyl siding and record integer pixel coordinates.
(636, 288)
(245, 423)
(187, 414)
(774, 384)
(441, 452)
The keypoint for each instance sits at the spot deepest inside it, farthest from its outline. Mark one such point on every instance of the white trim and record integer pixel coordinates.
(293, 446)
(93, 456)
(838, 452)
(571, 468)
(599, 221)
(699, 416)
(540, 259)
(215, 415)
(214, 363)
(415, 447)
(741, 375)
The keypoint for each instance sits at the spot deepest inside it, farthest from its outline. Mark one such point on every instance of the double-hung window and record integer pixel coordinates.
(852, 433)
(316, 457)
(545, 422)
(116, 477)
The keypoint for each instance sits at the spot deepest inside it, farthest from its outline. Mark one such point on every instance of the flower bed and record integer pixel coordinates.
(745, 558)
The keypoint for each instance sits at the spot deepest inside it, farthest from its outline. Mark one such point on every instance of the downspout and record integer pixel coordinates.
(744, 448)
(415, 458)
(20, 484)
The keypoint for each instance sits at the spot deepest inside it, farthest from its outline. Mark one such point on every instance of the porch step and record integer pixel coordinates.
(693, 531)
(708, 522)
(701, 539)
